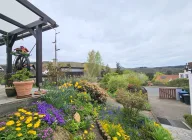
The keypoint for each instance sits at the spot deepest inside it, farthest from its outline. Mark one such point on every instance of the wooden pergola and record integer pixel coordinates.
(20, 19)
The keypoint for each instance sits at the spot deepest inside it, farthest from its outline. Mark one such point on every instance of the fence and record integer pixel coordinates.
(167, 93)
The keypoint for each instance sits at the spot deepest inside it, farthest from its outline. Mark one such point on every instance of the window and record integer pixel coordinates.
(181, 75)
(186, 75)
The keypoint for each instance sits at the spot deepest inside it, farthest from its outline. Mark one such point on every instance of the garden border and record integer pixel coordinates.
(102, 132)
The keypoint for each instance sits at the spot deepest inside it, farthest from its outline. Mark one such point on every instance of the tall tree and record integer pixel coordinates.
(94, 64)
(119, 68)
(107, 69)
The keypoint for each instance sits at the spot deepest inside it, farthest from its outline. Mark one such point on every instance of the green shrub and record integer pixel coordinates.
(188, 119)
(158, 83)
(181, 82)
(132, 102)
(154, 131)
(117, 82)
(106, 78)
(96, 93)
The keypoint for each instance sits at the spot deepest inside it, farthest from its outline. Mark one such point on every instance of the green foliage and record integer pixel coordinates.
(154, 131)
(94, 64)
(158, 83)
(21, 75)
(72, 126)
(91, 136)
(107, 69)
(188, 119)
(117, 82)
(119, 68)
(181, 82)
(98, 94)
(155, 76)
(150, 75)
(54, 73)
(106, 78)
(132, 102)
(113, 81)
(147, 106)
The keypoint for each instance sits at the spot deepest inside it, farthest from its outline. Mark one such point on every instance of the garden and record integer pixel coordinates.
(76, 108)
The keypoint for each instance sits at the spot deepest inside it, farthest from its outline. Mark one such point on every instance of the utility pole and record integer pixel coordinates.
(56, 47)
(56, 54)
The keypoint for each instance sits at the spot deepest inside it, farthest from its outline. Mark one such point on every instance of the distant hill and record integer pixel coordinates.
(164, 69)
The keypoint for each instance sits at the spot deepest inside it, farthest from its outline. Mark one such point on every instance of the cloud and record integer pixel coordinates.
(134, 33)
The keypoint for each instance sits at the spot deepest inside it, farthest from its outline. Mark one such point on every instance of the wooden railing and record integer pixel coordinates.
(167, 93)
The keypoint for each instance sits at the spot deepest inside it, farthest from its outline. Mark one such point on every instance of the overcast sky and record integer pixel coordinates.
(133, 32)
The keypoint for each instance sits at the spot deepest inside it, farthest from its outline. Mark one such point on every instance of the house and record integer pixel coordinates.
(166, 78)
(73, 71)
(185, 73)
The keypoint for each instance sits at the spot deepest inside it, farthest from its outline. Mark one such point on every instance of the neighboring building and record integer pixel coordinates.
(73, 71)
(185, 73)
(166, 78)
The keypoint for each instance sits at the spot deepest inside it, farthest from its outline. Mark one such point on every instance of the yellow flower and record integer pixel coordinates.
(91, 129)
(28, 113)
(2, 128)
(92, 126)
(36, 114)
(32, 132)
(79, 87)
(41, 116)
(9, 123)
(156, 124)
(22, 110)
(19, 124)
(18, 121)
(72, 101)
(85, 132)
(71, 96)
(30, 125)
(17, 114)
(115, 138)
(28, 120)
(22, 118)
(118, 134)
(37, 124)
(35, 118)
(85, 92)
(19, 134)
(18, 128)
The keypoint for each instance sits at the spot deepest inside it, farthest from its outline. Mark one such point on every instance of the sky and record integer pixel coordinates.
(135, 33)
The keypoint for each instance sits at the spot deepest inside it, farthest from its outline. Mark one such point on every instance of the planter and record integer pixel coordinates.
(10, 91)
(23, 88)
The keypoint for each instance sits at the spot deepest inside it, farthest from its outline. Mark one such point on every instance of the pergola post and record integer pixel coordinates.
(38, 55)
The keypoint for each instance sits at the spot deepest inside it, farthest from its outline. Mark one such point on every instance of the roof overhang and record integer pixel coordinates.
(22, 19)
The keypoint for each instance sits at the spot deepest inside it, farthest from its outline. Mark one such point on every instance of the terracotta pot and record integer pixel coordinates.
(23, 88)
(10, 91)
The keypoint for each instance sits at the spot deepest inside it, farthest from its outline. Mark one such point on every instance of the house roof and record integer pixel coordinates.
(166, 78)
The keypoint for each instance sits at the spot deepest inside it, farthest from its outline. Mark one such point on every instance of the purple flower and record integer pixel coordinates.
(46, 134)
(2, 124)
(53, 115)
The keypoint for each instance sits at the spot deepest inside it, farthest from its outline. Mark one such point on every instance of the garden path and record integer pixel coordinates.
(172, 110)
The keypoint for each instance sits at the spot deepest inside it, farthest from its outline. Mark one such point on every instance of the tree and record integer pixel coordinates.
(107, 69)
(155, 76)
(169, 72)
(94, 64)
(150, 75)
(119, 68)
